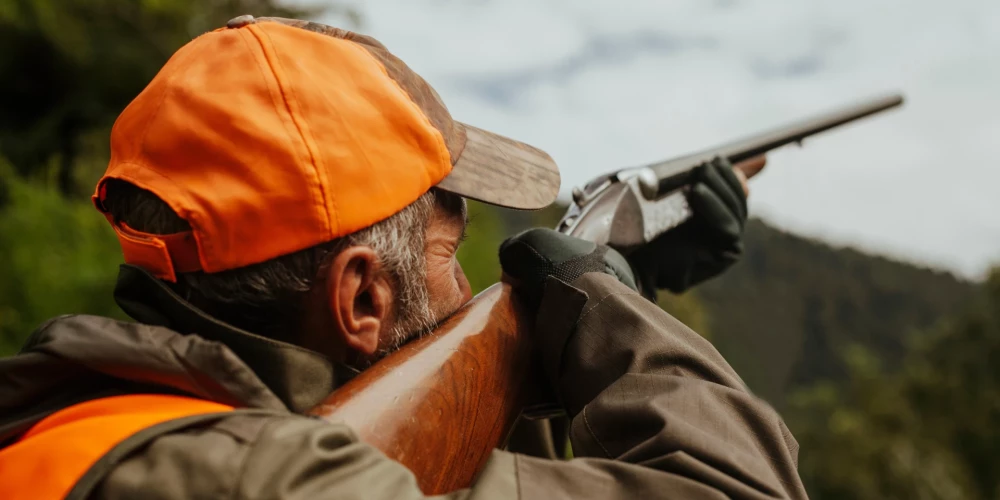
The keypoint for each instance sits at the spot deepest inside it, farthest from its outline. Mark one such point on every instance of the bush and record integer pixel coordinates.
(57, 256)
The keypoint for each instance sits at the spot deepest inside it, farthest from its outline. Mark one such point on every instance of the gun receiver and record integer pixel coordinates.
(633, 206)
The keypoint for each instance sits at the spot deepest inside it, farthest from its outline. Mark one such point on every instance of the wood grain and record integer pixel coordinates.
(443, 402)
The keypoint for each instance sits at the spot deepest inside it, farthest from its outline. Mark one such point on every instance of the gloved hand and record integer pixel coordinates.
(535, 255)
(704, 246)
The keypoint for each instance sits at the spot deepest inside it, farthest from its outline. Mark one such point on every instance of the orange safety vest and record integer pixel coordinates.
(48, 460)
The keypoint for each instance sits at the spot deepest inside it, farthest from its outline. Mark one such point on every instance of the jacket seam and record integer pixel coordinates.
(586, 422)
(517, 476)
(600, 302)
(234, 494)
(187, 375)
(169, 356)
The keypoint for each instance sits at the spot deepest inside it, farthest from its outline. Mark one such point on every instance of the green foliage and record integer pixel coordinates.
(56, 257)
(478, 254)
(929, 429)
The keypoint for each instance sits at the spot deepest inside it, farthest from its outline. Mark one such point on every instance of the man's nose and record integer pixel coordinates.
(463, 283)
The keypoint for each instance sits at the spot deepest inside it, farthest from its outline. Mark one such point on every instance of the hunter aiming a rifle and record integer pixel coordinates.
(289, 198)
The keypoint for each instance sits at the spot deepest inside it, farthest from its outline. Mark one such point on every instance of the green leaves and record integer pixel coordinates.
(478, 254)
(56, 257)
(929, 429)
(71, 66)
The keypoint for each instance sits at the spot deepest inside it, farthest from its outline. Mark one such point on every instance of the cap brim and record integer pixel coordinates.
(501, 171)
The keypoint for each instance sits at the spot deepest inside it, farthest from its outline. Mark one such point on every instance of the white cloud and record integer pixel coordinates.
(607, 84)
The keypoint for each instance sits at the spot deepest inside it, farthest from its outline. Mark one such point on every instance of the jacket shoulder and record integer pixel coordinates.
(289, 457)
(202, 460)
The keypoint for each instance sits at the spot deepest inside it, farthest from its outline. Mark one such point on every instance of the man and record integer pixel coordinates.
(289, 201)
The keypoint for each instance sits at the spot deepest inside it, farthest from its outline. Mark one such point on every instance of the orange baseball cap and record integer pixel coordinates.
(274, 135)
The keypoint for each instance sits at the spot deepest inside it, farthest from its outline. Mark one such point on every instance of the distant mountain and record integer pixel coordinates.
(784, 313)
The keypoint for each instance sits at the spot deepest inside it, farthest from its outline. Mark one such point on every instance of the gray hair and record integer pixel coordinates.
(267, 298)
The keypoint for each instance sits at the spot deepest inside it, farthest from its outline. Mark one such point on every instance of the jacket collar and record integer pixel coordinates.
(299, 377)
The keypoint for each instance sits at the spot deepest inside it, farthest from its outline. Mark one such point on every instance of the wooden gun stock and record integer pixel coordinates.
(443, 402)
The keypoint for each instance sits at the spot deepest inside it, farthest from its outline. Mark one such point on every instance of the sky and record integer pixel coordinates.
(603, 85)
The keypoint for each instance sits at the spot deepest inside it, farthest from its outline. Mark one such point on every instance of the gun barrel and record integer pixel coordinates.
(673, 173)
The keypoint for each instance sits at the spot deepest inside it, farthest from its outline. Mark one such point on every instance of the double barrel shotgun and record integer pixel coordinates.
(444, 401)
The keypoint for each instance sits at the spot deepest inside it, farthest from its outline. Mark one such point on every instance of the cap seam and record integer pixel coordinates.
(443, 146)
(159, 105)
(276, 100)
(345, 127)
(274, 64)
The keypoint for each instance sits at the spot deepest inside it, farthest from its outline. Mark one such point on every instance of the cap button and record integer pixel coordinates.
(241, 21)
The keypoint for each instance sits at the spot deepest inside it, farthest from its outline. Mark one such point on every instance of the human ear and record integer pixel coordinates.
(359, 298)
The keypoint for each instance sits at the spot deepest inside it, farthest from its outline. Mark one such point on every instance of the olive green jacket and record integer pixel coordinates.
(655, 411)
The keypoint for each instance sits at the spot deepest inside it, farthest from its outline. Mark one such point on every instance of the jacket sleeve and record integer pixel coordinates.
(655, 410)
(655, 413)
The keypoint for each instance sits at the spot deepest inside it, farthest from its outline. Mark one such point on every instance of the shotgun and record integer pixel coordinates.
(443, 402)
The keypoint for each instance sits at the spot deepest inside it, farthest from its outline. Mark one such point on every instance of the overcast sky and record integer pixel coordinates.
(616, 83)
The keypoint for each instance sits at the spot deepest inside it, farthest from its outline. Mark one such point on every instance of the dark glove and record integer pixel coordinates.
(535, 255)
(704, 246)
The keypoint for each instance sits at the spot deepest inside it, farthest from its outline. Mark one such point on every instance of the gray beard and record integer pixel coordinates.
(414, 318)
(413, 326)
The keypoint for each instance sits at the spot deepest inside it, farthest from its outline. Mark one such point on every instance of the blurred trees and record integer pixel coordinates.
(70, 66)
(784, 315)
(57, 256)
(478, 253)
(929, 429)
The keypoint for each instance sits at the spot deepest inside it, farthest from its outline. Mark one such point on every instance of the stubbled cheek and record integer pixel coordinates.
(438, 271)
(441, 277)
(447, 284)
